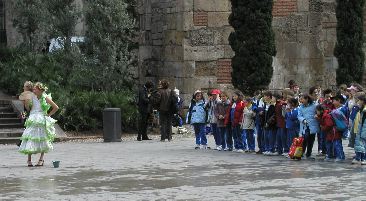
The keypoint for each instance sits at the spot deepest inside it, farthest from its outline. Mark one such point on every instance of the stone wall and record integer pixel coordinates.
(305, 38)
(186, 42)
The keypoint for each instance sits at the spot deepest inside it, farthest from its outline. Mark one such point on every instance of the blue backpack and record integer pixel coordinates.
(340, 122)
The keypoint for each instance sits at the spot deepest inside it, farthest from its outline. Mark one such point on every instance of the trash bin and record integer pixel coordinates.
(112, 125)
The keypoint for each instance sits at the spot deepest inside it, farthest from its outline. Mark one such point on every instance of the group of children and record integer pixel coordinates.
(276, 118)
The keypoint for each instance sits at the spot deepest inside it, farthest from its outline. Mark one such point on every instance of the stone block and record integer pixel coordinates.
(185, 6)
(316, 6)
(201, 37)
(218, 19)
(173, 53)
(229, 53)
(171, 21)
(144, 52)
(204, 53)
(173, 37)
(302, 5)
(212, 5)
(314, 20)
(156, 52)
(187, 22)
(202, 83)
(206, 68)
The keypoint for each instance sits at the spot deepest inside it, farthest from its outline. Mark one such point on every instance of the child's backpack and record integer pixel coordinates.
(173, 103)
(296, 148)
(340, 122)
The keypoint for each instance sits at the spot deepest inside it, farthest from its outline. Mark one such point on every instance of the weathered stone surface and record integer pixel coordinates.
(173, 37)
(173, 53)
(204, 53)
(206, 68)
(302, 5)
(201, 37)
(212, 5)
(316, 6)
(218, 19)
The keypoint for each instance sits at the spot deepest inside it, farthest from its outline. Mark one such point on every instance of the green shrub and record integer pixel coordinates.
(84, 110)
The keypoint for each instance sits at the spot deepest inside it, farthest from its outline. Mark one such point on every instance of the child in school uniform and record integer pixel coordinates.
(248, 125)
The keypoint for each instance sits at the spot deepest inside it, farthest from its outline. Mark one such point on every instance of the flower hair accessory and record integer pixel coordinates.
(41, 86)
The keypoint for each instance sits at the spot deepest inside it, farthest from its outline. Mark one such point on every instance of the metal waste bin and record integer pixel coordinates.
(112, 125)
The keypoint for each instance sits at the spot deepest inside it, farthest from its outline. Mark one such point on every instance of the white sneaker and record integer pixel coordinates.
(226, 149)
(219, 148)
(240, 151)
(285, 154)
(354, 161)
(272, 154)
(265, 153)
(363, 162)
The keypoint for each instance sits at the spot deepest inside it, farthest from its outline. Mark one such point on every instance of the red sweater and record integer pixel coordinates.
(328, 127)
(280, 120)
(238, 114)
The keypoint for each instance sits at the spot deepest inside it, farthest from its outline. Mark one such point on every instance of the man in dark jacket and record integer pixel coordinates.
(165, 110)
(145, 110)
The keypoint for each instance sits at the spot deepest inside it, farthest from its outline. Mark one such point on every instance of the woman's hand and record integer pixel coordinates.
(53, 105)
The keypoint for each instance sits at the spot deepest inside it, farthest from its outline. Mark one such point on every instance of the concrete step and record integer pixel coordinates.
(5, 102)
(11, 125)
(9, 140)
(10, 120)
(6, 109)
(8, 115)
(10, 134)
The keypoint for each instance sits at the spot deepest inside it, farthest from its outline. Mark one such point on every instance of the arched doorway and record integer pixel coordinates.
(2, 24)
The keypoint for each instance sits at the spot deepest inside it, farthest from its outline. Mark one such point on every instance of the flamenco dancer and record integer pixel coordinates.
(40, 131)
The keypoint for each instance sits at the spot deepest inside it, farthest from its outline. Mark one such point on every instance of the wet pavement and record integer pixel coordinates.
(153, 170)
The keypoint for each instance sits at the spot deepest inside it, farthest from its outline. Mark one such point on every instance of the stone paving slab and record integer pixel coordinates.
(153, 170)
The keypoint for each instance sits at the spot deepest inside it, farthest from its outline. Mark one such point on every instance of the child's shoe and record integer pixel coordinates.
(328, 159)
(354, 161)
(339, 160)
(205, 147)
(219, 148)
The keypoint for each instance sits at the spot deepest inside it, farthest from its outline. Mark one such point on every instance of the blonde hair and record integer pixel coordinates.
(41, 86)
(29, 85)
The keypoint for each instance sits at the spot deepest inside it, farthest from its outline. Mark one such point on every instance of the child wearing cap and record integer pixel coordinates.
(213, 117)
(338, 101)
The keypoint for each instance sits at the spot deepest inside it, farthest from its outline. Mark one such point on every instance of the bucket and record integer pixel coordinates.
(56, 164)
